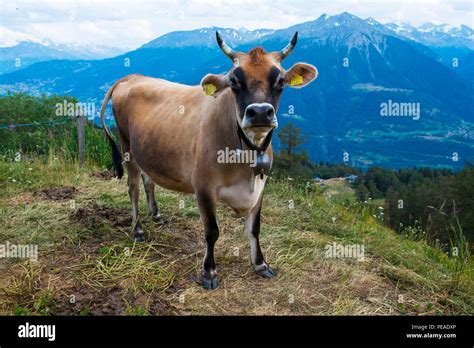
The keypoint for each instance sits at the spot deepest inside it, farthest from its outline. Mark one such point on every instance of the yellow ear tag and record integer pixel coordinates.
(210, 89)
(296, 80)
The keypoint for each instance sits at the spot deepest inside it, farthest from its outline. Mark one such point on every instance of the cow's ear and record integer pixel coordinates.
(214, 84)
(300, 74)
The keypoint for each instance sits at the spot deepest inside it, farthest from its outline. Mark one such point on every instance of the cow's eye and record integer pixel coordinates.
(233, 83)
(281, 82)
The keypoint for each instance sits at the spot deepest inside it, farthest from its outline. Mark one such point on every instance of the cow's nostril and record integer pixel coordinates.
(260, 114)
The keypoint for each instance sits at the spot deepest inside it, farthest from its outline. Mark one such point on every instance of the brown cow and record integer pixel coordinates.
(175, 135)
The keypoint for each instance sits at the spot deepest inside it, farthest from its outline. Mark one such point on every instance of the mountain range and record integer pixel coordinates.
(26, 53)
(362, 65)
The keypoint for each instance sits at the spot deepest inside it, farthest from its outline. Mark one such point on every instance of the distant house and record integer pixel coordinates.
(318, 179)
(351, 178)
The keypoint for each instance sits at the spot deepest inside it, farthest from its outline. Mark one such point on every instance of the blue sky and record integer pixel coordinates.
(129, 24)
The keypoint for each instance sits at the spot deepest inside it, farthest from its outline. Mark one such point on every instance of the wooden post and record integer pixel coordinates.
(81, 137)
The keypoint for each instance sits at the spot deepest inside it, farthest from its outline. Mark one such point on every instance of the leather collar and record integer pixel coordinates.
(262, 166)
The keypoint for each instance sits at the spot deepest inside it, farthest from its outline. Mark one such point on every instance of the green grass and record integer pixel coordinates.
(85, 251)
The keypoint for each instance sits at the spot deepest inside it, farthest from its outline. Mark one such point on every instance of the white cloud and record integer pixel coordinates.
(11, 37)
(129, 24)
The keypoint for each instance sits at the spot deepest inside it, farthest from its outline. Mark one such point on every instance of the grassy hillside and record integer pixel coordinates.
(88, 264)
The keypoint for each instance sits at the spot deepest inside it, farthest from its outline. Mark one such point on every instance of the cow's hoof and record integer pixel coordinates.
(209, 283)
(158, 219)
(138, 234)
(139, 237)
(266, 272)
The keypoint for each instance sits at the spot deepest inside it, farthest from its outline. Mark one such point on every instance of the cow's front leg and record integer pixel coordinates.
(207, 208)
(252, 224)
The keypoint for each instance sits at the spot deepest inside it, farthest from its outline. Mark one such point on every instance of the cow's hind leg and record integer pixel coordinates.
(252, 224)
(134, 193)
(150, 197)
(207, 208)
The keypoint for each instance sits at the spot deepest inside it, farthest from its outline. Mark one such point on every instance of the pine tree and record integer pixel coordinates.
(290, 160)
(362, 192)
(289, 136)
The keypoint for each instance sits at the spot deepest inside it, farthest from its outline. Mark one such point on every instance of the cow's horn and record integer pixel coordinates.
(229, 52)
(287, 50)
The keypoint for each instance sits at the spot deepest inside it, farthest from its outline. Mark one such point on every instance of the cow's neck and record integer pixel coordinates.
(262, 160)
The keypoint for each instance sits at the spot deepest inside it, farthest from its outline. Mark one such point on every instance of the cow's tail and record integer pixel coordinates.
(116, 154)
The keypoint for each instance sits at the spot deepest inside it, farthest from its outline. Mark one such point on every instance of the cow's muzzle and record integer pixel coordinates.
(260, 115)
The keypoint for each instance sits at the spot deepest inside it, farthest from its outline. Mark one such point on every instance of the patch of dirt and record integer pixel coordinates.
(57, 193)
(109, 301)
(103, 175)
(98, 214)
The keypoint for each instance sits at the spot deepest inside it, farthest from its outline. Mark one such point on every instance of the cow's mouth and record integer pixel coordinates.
(262, 127)
(257, 134)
